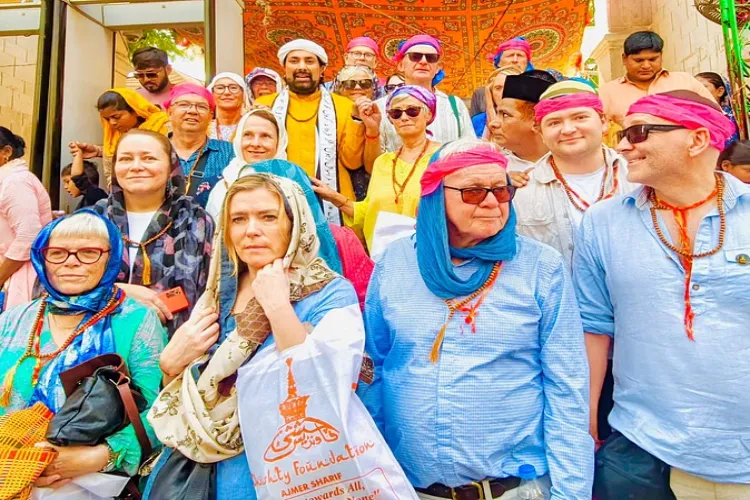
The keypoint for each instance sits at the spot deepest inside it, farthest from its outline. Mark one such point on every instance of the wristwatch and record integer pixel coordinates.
(111, 459)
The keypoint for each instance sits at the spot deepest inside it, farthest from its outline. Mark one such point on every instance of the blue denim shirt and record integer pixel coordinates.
(218, 155)
(513, 393)
(683, 401)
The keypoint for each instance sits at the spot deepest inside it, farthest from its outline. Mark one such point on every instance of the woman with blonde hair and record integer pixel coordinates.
(267, 284)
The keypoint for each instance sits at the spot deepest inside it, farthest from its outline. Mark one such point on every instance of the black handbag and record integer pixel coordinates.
(100, 402)
(624, 471)
(181, 478)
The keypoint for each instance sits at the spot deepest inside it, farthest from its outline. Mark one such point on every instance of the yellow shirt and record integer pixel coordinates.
(350, 135)
(381, 196)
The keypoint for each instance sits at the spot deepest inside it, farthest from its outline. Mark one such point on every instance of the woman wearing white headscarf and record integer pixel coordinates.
(232, 99)
(258, 138)
(263, 81)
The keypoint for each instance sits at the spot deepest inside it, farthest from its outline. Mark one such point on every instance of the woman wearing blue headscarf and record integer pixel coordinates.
(478, 350)
(82, 315)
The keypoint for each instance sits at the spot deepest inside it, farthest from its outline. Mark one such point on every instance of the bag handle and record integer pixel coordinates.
(123, 386)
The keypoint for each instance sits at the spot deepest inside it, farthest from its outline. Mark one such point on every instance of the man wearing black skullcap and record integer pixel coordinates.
(513, 126)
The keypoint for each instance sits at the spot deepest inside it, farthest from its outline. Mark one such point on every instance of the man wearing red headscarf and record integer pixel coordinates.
(665, 271)
(577, 172)
(190, 108)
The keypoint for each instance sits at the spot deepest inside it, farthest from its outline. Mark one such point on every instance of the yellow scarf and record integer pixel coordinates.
(155, 119)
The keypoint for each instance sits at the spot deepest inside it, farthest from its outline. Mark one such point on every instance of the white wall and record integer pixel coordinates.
(87, 74)
(230, 54)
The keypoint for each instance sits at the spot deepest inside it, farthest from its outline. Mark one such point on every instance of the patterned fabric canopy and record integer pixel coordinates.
(470, 30)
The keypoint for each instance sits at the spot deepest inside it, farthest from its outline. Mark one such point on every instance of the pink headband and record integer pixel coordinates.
(417, 40)
(363, 41)
(190, 88)
(439, 169)
(513, 44)
(689, 114)
(569, 101)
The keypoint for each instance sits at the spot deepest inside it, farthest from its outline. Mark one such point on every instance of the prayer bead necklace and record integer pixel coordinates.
(398, 189)
(454, 306)
(146, 278)
(33, 346)
(572, 195)
(315, 113)
(686, 256)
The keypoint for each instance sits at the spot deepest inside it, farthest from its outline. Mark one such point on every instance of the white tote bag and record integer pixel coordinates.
(307, 435)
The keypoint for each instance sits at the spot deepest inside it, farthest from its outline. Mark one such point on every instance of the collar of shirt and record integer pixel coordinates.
(544, 174)
(661, 73)
(733, 191)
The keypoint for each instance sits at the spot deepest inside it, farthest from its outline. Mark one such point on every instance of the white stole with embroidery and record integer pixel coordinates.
(326, 163)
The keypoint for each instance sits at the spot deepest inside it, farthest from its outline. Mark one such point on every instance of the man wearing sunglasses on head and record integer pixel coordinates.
(665, 272)
(419, 58)
(474, 332)
(152, 70)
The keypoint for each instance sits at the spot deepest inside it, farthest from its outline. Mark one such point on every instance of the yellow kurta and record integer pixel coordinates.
(350, 135)
(381, 196)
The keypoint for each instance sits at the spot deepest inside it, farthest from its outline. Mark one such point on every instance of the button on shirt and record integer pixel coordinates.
(513, 393)
(683, 401)
(217, 156)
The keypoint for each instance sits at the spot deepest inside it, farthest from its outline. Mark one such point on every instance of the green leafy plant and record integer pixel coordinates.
(161, 39)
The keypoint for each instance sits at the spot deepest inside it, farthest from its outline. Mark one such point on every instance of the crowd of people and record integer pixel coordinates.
(556, 273)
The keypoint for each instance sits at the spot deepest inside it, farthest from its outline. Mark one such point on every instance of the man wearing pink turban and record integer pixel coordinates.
(577, 172)
(362, 51)
(420, 60)
(665, 272)
(190, 108)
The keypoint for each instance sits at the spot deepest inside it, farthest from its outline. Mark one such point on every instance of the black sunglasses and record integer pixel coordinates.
(393, 86)
(416, 57)
(639, 133)
(149, 75)
(411, 112)
(476, 195)
(353, 84)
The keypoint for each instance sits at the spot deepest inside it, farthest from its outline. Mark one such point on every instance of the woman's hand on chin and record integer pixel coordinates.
(148, 298)
(271, 287)
(190, 342)
(72, 462)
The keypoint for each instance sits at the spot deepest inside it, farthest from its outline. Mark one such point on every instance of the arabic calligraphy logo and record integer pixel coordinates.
(298, 429)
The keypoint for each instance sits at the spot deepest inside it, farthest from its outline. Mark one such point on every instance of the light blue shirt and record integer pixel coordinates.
(513, 393)
(684, 402)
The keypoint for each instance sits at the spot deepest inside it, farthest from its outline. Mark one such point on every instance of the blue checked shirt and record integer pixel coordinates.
(218, 155)
(513, 393)
(685, 402)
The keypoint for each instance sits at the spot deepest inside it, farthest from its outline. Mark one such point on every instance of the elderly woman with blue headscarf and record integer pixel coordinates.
(267, 285)
(82, 315)
(481, 373)
(394, 186)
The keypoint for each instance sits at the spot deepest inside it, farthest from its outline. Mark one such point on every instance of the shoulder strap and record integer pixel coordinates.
(456, 114)
(135, 417)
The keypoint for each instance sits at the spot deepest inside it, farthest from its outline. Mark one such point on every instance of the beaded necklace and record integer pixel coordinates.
(573, 196)
(684, 251)
(463, 306)
(33, 346)
(146, 278)
(398, 189)
(315, 113)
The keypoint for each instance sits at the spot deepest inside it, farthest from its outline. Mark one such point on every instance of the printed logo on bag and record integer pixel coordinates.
(298, 429)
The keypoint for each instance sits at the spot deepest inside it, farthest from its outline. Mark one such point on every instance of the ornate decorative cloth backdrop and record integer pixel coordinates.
(470, 30)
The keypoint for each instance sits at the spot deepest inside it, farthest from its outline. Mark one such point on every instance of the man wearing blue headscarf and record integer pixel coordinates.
(481, 373)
